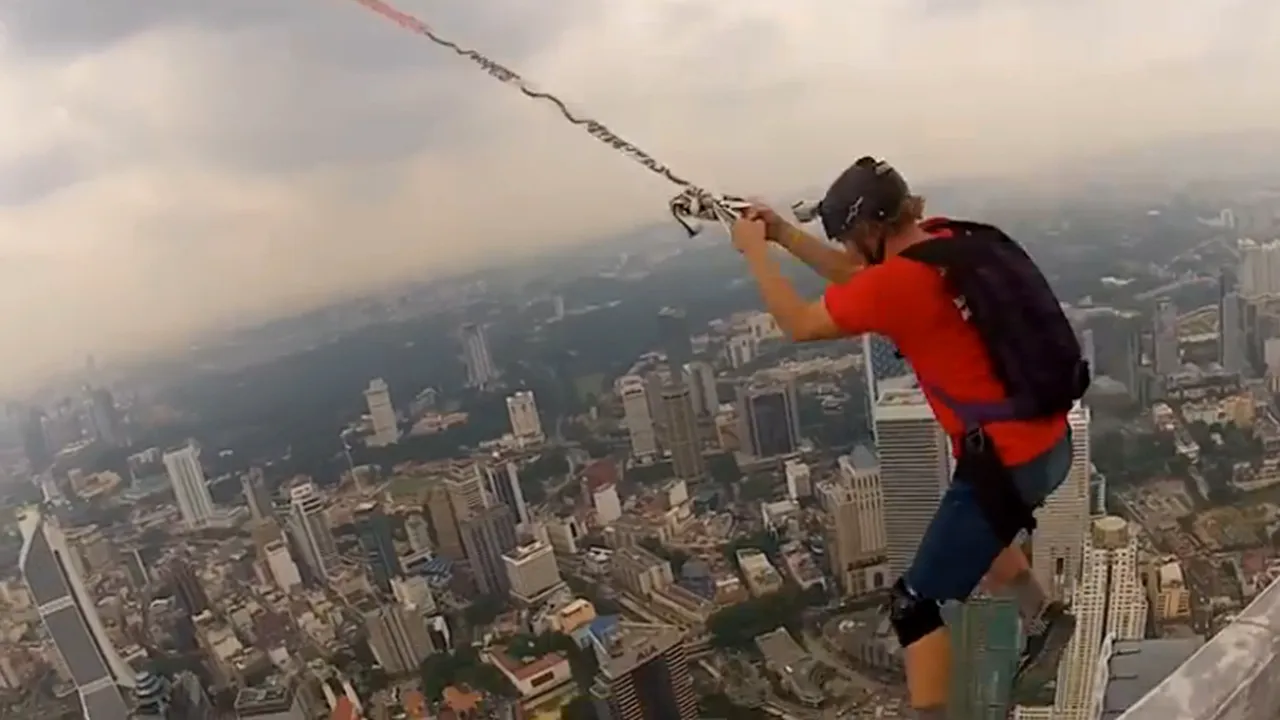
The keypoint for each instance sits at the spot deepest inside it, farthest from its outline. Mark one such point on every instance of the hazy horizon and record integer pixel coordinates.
(169, 167)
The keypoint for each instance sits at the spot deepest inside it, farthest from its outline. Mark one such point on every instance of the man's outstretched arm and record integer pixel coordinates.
(800, 319)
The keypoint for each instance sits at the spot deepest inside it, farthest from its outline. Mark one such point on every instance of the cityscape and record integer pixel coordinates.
(588, 499)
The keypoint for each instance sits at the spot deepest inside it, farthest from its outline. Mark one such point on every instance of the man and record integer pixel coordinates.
(872, 215)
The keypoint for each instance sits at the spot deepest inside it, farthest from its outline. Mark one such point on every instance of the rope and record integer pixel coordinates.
(692, 205)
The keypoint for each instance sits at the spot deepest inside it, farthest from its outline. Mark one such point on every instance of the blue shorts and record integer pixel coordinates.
(959, 546)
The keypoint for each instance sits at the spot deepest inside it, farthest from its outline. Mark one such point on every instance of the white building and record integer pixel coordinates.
(532, 571)
(386, 428)
(398, 637)
(635, 411)
(309, 525)
(1109, 601)
(701, 379)
(69, 613)
(283, 569)
(1259, 270)
(915, 470)
(526, 426)
(741, 350)
(1063, 520)
(189, 488)
(414, 591)
(607, 504)
(799, 481)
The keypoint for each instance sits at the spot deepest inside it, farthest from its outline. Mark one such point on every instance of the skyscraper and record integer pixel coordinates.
(254, 486)
(502, 481)
(189, 488)
(373, 531)
(70, 616)
(881, 363)
(522, 411)
(397, 636)
(386, 428)
(682, 432)
(309, 526)
(701, 379)
(855, 508)
(644, 672)
(1164, 336)
(635, 412)
(475, 355)
(768, 418)
(1232, 348)
(1108, 602)
(1063, 520)
(915, 469)
(985, 632)
(486, 536)
(444, 522)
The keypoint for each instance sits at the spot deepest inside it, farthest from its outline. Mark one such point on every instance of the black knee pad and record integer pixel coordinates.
(912, 616)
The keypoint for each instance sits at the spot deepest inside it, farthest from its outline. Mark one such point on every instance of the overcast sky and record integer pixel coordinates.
(168, 166)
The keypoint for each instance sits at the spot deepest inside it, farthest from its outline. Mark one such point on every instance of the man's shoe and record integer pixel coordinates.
(1045, 645)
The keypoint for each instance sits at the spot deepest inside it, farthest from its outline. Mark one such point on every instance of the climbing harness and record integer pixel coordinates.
(690, 208)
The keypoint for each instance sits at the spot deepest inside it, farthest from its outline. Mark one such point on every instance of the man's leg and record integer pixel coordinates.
(1011, 573)
(954, 554)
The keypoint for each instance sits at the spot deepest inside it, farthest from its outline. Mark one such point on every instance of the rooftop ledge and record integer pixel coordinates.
(1234, 676)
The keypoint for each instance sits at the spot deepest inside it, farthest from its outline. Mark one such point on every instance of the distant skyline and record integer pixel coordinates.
(169, 167)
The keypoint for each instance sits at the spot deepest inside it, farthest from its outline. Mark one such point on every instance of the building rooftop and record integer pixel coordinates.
(1234, 675)
(625, 646)
(262, 700)
(1137, 666)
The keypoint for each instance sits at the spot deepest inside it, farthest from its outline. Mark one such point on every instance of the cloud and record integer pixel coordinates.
(169, 167)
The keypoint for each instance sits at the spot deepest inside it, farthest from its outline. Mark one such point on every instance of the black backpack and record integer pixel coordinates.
(1033, 348)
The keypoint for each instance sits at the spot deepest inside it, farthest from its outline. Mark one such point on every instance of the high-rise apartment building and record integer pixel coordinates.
(1109, 602)
(526, 426)
(1063, 521)
(475, 355)
(682, 432)
(69, 613)
(373, 531)
(398, 636)
(769, 419)
(644, 673)
(855, 510)
(189, 488)
(466, 485)
(635, 411)
(309, 526)
(486, 536)
(915, 469)
(386, 427)
(1164, 337)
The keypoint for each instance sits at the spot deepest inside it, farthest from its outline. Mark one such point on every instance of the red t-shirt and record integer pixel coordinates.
(907, 302)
